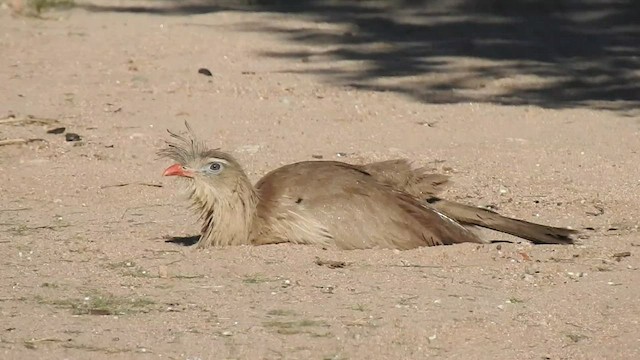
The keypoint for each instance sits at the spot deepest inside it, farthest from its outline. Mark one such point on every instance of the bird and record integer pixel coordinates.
(381, 205)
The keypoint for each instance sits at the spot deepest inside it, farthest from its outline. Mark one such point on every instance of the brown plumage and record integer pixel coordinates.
(385, 204)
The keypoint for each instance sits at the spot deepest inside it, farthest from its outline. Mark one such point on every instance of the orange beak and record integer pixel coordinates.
(177, 170)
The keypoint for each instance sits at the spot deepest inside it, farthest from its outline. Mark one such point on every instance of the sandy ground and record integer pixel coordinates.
(86, 271)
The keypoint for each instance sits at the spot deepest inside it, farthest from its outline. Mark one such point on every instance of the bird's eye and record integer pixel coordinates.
(215, 167)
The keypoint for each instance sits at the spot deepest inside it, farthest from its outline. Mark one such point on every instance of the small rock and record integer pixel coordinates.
(205, 72)
(618, 256)
(524, 256)
(327, 289)
(58, 130)
(72, 137)
(575, 275)
(317, 156)
(427, 123)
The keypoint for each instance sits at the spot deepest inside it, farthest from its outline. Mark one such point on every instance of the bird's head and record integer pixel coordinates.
(209, 170)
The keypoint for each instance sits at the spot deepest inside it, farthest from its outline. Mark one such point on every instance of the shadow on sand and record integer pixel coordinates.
(183, 240)
(550, 53)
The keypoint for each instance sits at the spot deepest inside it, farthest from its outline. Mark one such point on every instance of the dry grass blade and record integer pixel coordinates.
(29, 119)
(18, 141)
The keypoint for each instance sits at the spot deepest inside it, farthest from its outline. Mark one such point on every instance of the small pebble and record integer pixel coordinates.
(72, 137)
(205, 72)
(58, 130)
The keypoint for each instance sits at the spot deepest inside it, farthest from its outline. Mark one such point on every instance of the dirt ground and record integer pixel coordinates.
(86, 271)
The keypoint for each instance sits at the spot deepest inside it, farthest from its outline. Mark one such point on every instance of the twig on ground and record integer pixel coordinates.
(127, 184)
(331, 264)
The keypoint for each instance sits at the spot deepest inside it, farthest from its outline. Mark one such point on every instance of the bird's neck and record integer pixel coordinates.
(228, 214)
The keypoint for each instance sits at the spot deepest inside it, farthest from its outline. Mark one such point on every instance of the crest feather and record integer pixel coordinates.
(184, 149)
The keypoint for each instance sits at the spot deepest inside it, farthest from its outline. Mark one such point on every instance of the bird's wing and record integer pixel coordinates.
(333, 203)
(400, 175)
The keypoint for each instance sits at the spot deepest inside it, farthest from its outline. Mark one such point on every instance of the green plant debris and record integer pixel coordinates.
(291, 327)
(103, 304)
(281, 312)
(129, 268)
(256, 279)
(39, 6)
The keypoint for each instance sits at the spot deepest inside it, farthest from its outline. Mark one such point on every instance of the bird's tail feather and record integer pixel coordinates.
(470, 215)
